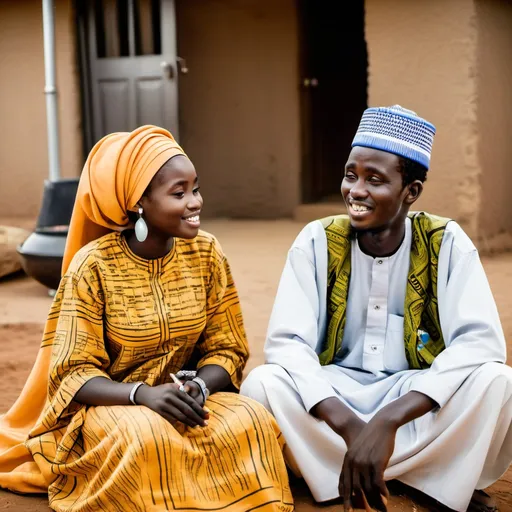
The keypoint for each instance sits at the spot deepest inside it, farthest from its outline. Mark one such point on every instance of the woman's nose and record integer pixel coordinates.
(195, 202)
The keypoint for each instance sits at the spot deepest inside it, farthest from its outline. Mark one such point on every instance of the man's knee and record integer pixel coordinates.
(495, 380)
(259, 380)
(494, 373)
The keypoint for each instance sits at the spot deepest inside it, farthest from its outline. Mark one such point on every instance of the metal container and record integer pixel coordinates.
(42, 252)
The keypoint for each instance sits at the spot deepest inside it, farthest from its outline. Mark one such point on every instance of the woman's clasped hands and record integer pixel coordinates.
(174, 404)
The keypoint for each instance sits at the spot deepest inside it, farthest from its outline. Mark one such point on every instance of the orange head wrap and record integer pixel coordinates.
(118, 170)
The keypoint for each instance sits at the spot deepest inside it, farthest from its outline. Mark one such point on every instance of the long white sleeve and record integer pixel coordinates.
(469, 319)
(297, 323)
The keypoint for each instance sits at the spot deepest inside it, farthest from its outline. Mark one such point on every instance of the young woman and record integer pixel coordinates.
(103, 422)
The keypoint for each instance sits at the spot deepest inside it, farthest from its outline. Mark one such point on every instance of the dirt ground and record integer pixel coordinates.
(256, 251)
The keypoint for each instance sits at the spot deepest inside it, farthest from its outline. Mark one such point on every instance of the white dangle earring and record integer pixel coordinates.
(141, 228)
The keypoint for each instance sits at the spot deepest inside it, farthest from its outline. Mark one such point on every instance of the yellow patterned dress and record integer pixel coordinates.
(129, 319)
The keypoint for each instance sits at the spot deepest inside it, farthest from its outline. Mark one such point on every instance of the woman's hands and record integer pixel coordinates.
(193, 389)
(173, 404)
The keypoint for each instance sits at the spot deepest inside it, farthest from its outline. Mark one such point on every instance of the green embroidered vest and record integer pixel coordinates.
(420, 309)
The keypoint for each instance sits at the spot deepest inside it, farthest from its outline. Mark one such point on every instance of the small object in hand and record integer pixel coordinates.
(177, 381)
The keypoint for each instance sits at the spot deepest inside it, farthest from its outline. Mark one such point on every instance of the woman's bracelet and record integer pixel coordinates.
(202, 386)
(134, 389)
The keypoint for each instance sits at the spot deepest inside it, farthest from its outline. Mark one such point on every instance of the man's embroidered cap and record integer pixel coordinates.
(396, 130)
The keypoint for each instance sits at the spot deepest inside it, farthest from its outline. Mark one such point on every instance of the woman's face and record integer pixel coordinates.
(172, 202)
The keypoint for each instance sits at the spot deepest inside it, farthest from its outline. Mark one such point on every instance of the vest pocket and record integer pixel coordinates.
(394, 348)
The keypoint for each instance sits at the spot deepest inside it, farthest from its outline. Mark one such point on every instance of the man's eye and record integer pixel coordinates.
(374, 179)
(196, 190)
(350, 176)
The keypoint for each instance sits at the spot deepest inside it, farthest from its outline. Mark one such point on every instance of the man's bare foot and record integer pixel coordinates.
(482, 502)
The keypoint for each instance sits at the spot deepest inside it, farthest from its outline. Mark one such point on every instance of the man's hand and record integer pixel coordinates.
(368, 457)
(365, 463)
(340, 418)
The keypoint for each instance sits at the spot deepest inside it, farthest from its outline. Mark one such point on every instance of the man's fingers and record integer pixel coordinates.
(384, 491)
(367, 484)
(347, 487)
(357, 484)
(358, 493)
(380, 492)
(366, 505)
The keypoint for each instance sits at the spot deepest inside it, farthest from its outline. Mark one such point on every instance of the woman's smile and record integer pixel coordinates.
(193, 220)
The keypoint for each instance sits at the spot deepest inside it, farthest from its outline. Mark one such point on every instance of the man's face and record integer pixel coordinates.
(373, 190)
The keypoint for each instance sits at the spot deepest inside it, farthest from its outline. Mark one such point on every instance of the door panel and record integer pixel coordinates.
(150, 97)
(131, 74)
(114, 95)
(334, 90)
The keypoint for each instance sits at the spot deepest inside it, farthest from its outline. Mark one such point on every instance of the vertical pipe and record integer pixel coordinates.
(50, 90)
(131, 28)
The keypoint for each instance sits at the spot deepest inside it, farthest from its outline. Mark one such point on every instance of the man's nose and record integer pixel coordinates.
(359, 190)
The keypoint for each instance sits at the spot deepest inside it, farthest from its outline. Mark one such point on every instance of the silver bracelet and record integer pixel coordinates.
(136, 386)
(202, 386)
(186, 374)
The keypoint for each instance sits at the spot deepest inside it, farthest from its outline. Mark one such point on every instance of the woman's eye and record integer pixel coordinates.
(350, 176)
(179, 194)
(374, 180)
(196, 190)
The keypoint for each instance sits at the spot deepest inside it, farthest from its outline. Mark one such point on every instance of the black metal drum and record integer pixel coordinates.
(41, 253)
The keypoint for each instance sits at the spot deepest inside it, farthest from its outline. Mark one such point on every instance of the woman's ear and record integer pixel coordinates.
(414, 192)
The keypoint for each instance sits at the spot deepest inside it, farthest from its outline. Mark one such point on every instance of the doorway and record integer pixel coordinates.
(333, 84)
(128, 63)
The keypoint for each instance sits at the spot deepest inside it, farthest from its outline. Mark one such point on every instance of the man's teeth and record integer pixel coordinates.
(195, 218)
(359, 208)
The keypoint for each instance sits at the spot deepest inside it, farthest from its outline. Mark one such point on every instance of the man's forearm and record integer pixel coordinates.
(339, 417)
(405, 409)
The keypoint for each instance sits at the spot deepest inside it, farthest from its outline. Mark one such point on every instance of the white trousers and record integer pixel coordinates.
(467, 445)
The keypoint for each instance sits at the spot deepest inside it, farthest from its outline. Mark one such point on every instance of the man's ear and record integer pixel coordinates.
(414, 192)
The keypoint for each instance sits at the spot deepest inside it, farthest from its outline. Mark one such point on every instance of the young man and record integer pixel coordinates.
(385, 351)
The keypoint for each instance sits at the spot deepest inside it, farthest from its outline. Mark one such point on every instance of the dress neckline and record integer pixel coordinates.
(155, 264)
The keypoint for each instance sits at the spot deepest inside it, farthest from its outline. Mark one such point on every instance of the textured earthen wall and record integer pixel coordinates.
(23, 142)
(239, 104)
(422, 55)
(495, 122)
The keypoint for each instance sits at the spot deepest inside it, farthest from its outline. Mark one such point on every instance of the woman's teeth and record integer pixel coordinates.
(193, 219)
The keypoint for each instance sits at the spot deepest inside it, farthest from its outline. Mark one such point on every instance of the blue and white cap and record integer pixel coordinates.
(396, 130)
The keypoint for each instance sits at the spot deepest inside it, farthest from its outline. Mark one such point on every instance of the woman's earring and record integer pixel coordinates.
(141, 228)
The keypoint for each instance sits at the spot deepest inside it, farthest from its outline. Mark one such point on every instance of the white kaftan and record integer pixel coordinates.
(463, 445)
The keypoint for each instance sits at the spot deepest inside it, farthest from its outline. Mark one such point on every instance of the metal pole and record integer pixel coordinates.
(50, 90)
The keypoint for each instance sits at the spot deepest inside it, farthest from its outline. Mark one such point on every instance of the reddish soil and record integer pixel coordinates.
(256, 251)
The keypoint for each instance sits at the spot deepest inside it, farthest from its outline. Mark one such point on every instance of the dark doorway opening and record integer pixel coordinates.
(334, 80)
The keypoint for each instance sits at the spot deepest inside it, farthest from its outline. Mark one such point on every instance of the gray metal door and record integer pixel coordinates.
(132, 66)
